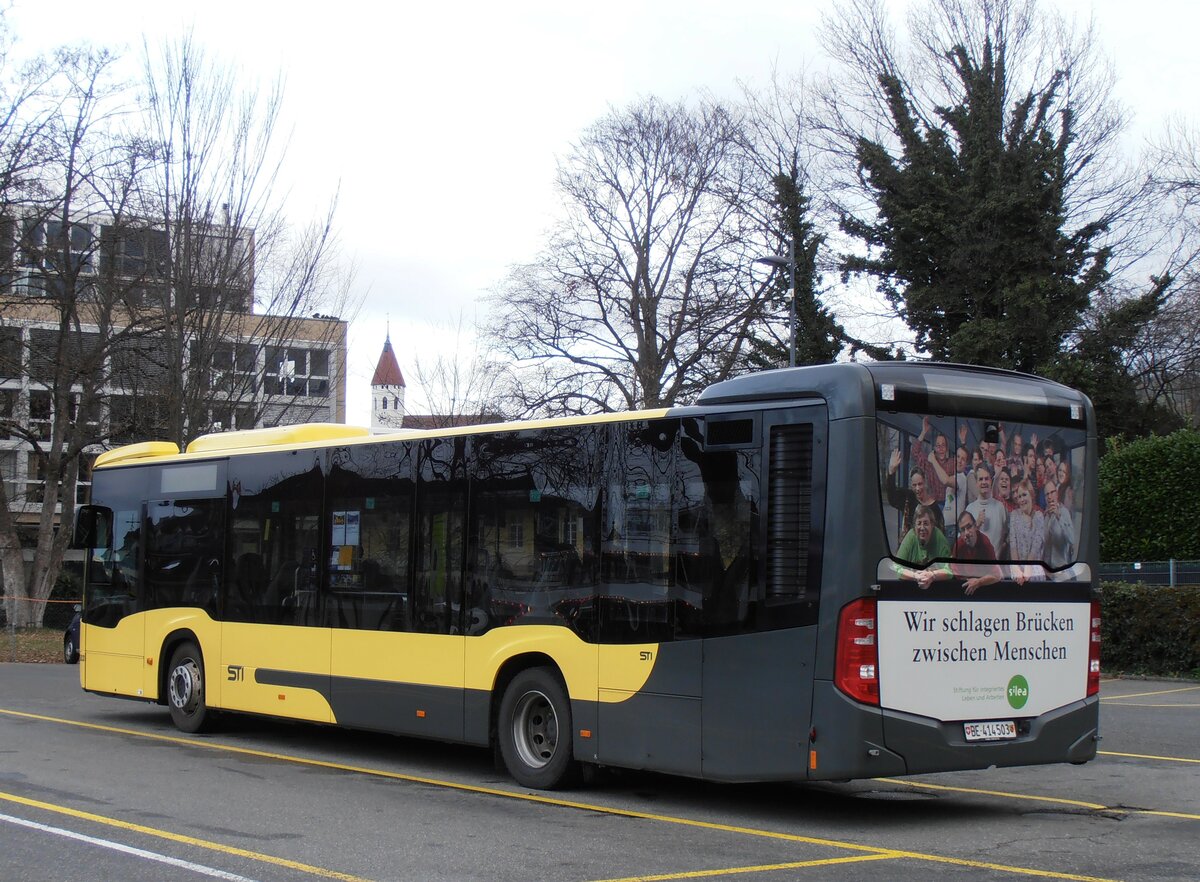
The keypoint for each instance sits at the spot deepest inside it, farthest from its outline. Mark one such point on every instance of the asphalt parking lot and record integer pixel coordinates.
(92, 788)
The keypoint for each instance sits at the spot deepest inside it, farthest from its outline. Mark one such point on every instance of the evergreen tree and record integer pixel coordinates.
(969, 241)
(819, 337)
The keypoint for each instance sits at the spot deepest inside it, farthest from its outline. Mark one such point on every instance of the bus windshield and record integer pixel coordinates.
(964, 489)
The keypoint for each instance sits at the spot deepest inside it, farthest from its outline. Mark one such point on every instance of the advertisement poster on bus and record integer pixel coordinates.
(976, 661)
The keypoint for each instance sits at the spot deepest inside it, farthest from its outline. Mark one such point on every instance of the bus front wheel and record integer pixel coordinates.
(534, 729)
(185, 689)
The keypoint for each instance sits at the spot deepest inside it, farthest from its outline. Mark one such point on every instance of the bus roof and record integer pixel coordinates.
(849, 390)
(860, 388)
(316, 435)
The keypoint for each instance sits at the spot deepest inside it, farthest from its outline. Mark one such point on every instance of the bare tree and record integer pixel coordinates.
(1166, 355)
(73, 318)
(158, 290)
(239, 285)
(460, 385)
(640, 297)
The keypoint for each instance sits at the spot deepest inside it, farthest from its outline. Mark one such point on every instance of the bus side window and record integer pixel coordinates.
(441, 504)
(636, 602)
(368, 517)
(274, 537)
(114, 571)
(716, 506)
(184, 541)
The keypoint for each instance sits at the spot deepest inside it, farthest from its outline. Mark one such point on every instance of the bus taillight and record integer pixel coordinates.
(1093, 681)
(856, 670)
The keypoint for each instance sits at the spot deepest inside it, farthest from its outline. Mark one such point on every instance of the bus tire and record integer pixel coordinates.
(534, 730)
(185, 689)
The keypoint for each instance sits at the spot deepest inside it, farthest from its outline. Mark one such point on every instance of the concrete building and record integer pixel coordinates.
(244, 370)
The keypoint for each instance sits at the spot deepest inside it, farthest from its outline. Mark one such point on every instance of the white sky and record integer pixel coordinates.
(441, 126)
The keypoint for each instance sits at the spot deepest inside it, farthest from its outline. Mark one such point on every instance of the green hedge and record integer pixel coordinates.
(1150, 498)
(1148, 629)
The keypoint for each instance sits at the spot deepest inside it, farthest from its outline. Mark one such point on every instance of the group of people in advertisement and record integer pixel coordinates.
(1000, 505)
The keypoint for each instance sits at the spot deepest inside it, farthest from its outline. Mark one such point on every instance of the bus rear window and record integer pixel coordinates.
(973, 489)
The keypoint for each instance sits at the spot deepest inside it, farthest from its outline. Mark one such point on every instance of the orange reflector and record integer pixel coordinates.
(421, 714)
(150, 661)
(585, 733)
(282, 696)
(812, 759)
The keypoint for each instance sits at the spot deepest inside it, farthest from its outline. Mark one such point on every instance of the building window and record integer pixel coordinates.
(233, 367)
(10, 353)
(8, 411)
(35, 484)
(228, 418)
(41, 414)
(83, 485)
(8, 474)
(297, 372)
(516, 531)
(45, 246)
(136, 253)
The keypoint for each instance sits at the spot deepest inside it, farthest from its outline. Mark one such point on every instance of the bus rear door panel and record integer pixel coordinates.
(849, 734)
(758, 683)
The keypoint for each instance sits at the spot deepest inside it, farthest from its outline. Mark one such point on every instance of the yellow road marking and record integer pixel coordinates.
(1092, 806)
(1054, 800)
(1148, 694)
(1183, 815)
(563, 803)
(765, 868)
(1166, 759)
(179, 837)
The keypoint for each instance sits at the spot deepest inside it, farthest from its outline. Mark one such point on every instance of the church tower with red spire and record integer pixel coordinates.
(387, 391)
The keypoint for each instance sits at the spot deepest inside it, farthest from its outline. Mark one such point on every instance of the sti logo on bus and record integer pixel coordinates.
(1018, 692)
(236, 672)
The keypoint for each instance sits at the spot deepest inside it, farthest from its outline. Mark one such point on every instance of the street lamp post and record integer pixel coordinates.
(778, 261)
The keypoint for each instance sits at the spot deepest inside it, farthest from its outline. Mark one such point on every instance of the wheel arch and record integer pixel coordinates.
(170, 643)
(505, 674)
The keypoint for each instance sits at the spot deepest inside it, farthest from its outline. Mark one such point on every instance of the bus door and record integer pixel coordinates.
(275, 643)
(112, 638)
(426, 669)
(649, 620)
(397, 659)
(760, 655)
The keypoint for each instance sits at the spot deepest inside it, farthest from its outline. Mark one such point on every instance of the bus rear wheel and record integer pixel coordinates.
(534, 730)
(185, 689)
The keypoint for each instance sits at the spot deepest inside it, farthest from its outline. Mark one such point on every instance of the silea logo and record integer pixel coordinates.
(1018, 692)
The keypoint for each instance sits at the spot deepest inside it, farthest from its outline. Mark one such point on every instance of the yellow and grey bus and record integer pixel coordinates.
(813, 573)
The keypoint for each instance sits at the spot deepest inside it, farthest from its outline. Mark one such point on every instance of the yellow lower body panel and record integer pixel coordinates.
(256, 658)
(111, 658)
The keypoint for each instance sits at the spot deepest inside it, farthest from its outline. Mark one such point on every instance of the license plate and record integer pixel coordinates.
(994, 730)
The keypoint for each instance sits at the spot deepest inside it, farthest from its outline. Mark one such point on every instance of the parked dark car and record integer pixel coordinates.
(71, 641)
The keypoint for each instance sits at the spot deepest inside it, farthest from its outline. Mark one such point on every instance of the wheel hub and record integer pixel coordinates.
(184, 686)
(535, 729)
